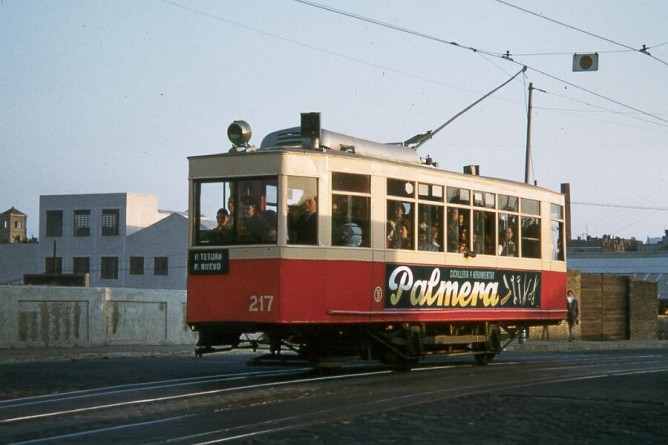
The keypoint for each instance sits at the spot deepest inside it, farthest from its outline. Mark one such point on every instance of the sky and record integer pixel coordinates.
(113, 96)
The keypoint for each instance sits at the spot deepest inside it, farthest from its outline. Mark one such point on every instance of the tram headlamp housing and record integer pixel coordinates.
(239, 133)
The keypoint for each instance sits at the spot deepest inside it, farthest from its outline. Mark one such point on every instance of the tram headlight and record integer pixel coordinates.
(239, 133)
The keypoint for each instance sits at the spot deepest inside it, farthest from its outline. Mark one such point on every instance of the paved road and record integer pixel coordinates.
(616, 396)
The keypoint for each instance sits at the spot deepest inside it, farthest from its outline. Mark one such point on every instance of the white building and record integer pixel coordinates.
(120, 239)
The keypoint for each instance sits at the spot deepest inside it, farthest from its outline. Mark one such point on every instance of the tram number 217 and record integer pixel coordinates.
(260, 303)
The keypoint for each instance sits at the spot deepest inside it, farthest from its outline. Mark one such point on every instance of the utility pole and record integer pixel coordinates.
(527, 160)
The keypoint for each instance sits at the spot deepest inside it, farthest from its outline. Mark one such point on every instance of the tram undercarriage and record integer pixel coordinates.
(399, 345)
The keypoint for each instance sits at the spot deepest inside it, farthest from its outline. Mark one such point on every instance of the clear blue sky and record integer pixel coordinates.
(112, 96)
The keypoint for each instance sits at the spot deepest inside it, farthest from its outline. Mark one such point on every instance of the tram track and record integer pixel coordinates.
(279, 400)
(381, 405)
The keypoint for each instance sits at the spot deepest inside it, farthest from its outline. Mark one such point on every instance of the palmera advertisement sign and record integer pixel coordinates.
(428, 287)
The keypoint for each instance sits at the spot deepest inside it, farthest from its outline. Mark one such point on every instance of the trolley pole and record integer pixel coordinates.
(527, 160)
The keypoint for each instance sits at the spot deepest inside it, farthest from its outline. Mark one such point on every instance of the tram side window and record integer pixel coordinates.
(458, 196)
(430, 228)
(557, 230)
(484, 232)
(530, 237)
(351, 210)
(350, 220)
(400, 224)
(302, 218)
(236, 212)
(508, 203)
(507, 235)
(458, 229)
(530, 230)
(484, 223)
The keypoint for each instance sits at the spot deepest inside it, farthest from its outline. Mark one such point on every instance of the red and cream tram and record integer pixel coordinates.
(333, 246)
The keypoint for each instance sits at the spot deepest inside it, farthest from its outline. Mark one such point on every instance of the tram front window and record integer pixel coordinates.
(239, 211)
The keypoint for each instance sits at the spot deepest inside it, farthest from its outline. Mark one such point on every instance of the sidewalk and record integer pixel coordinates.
(565, 346)
(93, 352)
(108, 352)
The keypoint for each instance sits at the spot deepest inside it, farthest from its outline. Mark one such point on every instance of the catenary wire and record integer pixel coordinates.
(489, 53)
(643, 50)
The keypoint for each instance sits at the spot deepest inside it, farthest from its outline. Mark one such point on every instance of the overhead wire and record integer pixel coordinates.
(506, 56)
(415, 33)
(390, 26)
(643, 50)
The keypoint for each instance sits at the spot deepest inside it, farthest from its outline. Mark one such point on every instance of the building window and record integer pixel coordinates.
(109, 269)
(136, 265)
(81, 265)
(82, 223)
(160, 265)
(53, 265)
(110, 222)
(54, 223)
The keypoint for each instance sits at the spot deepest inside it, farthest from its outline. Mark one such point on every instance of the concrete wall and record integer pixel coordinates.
(644, 323)
(17, 260)
(36, 316)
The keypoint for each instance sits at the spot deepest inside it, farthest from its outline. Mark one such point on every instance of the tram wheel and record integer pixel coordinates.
(491, 347)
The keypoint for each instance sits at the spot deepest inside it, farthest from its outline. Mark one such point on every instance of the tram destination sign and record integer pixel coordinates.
(428, 287)
(209, 262)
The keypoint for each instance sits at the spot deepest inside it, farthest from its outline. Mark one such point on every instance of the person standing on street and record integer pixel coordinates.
(573, 314)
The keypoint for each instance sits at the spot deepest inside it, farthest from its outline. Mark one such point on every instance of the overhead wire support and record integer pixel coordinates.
(507, 56)
(420, 139)
(642, 50)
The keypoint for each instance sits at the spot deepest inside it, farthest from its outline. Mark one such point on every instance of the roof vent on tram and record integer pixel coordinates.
(239, 133)
(472, 170)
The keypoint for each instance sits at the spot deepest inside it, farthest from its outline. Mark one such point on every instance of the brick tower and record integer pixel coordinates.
(13, 227)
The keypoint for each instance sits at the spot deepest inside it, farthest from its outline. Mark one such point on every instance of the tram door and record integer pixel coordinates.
(351, 275)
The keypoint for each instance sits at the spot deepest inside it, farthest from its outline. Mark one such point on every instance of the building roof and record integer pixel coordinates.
(14, 211)
(626, 263)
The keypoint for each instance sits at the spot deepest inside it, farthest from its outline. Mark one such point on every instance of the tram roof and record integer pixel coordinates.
(291, 140)
(330, 140)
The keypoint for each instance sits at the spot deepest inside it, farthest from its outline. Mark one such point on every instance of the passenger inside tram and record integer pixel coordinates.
(222, 233)
(307, 224)
(427, 240)
(453, 230)
(230, 209)
(345, 231)
(399, 228)
(405, 240)
(507, 245)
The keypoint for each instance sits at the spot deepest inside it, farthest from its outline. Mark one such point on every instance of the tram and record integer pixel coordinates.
(334, 247)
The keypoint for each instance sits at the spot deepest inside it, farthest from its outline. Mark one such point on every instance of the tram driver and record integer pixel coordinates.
(253, 227)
